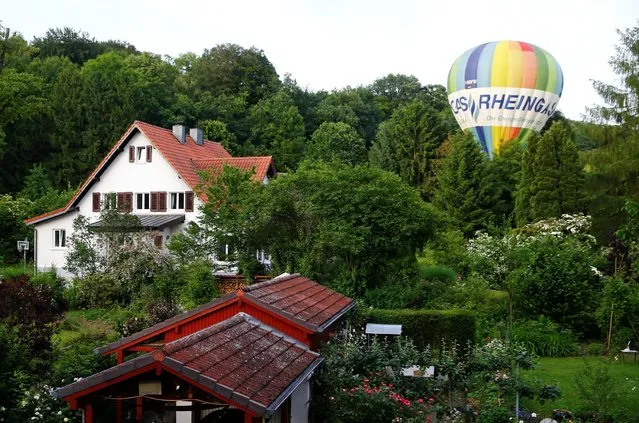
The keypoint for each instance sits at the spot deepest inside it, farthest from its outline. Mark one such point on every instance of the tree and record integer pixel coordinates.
(351, 227)
(337, 141)
(277, 129)
(463, 192)
(218, 131)
(230, 69)
(622, 102)
(406, 144)
(551, 180)
(354, 106)
(394, 90)
(77, 46)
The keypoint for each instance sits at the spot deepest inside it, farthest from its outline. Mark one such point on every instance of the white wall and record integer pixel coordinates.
(120, 176)
(300, 399)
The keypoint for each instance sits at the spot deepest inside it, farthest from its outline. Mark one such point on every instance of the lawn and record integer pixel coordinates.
(564, 371)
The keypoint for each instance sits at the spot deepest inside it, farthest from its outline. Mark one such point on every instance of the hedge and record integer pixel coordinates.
(428, 327)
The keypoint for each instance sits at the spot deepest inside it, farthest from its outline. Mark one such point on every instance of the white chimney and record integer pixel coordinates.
(179, 132)
(198, 135)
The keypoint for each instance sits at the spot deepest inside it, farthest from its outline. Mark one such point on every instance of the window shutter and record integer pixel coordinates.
(131, 154)
(120, 201)
(149, 153)
(128, 201)
(96, 201)
(154, 201)
(162, 201)
(188, 201)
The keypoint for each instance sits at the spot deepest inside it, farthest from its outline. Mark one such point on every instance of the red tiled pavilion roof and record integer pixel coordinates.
(240, 359)
(301, 299)
(181, 157)
(293, 297)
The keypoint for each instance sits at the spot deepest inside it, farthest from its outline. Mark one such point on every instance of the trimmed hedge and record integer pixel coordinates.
(428, 327)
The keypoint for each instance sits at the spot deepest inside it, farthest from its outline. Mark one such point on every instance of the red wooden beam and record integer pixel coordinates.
(88, 413)
(139, 411)
(170, 327)
(113, 381)
(119, 412)
(205, 389)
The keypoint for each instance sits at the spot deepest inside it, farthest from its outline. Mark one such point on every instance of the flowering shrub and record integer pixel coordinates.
(39, 406)
(378, 403)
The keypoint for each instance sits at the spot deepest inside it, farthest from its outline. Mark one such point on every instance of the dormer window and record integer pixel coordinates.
(140, 154)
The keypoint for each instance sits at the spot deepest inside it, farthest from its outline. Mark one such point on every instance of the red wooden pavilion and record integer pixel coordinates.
(245, 357)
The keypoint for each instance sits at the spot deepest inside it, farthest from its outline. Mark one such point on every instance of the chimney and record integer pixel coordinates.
(179, 132)
(198, 135)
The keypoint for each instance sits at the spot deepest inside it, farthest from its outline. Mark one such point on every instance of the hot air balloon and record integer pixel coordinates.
(503, 90)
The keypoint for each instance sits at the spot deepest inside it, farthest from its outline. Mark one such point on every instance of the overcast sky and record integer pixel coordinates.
(328, 44)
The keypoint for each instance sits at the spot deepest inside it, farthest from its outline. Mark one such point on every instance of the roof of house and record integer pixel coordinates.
(260, 165)
(293, 297)
(241, 359)
(181, 157)
(300, 299)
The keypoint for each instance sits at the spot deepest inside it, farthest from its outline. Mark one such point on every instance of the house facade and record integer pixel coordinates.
(152, 172)
(246, 357)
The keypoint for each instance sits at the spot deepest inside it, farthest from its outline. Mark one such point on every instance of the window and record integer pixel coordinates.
(142, 201)
(140, 154)
(177, 201)
(59, 238)
(225, 252)
(109, 200)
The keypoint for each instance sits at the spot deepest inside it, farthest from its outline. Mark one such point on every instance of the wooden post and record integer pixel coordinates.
(120, 356)
(612, 308)
(119, 412)
(247, 418)
(88, 413)
(139, 412)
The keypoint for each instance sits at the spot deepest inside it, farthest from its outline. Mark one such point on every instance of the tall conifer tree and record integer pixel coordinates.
(463, 191)
(552, 180)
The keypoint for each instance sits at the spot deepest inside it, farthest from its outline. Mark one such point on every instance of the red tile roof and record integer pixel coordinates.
(259, 165)
(241, 358)
(181, 157)
(300, 299)
(293, 297)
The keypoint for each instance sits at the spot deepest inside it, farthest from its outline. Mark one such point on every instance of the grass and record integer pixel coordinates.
(562, 372)
(93, 323)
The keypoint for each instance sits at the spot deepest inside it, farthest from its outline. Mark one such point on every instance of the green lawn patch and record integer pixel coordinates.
(563, 372)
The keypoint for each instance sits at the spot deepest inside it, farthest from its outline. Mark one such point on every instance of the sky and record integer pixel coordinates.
(329, 44)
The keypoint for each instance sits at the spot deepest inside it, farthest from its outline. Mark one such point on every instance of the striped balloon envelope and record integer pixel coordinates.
(503, 90)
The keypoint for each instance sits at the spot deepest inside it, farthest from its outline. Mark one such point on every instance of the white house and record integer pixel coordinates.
(151, 171)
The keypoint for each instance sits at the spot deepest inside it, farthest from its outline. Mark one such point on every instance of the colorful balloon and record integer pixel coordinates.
(503, 90)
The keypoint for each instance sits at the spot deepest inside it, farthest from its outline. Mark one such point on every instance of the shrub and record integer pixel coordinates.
(200, 286)
(545, 338)
(595, 348)
(428, 327)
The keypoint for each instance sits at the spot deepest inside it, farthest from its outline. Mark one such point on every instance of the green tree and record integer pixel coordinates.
(77, 46)
(622, 102)
(463, 192)
(394, 90)
(230, 69)
(551, 181)
(216, 130)
(406, 144)
(352, 227)
(354, 106)
(277, 129)
(306, 101)
(337, 141)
